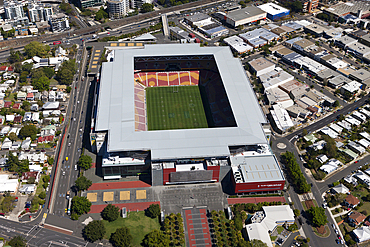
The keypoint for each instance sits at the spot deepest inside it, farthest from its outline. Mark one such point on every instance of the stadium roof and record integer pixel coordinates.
(116, 115)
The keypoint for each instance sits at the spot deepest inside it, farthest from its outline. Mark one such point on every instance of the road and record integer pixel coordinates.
(67, 169)
(38, 236)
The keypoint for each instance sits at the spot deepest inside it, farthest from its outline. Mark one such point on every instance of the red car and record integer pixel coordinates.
(57, 42)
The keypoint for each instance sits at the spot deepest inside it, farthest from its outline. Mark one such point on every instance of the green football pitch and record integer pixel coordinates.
(178, 107)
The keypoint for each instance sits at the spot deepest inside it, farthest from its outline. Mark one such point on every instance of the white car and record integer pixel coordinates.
(64, 173)
(75, 167)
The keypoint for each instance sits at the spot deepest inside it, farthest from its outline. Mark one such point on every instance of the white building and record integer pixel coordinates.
(13, 10)
(59, 22)
(118, 8)
(353, 121)
(261, 66)
(281, 118)
(275, 78)
(362, 234)
(331, 166)
(330, 132)
(267, 220)
(237, 44)
(7, 184)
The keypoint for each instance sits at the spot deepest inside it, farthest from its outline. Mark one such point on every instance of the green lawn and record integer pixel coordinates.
(137, 222)
(178, 107)
(280, 229)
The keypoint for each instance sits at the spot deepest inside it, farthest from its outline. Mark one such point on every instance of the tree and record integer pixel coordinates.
(121, 237)
(95, 230)
(153, 211)
(23, 76)
(101, 14)
(14, 165)
(31, 180)
(41, 84)
(42, 195)
(82, 183)
(317, 215)
(80, 205)
(110, 213)
(296, 212)
(85, 162)
(17, 241)
(27, 67)
(13, 136)
(36, 49)
(26, 105)
(147, 7)
(66, 72)
(49, 72)
(15, 56)
(336, 103)
(304, 132)
(28, 130)
(156, 238)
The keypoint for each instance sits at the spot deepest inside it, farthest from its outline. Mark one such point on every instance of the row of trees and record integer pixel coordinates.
(295, 173)
(174, 228)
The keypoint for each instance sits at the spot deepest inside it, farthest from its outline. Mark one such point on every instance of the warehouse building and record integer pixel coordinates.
(281, 119)
(362, 76)
(344, 41)
(316, 30)
(213, 30)
(198, 19)
(237, 44)
(338, 81)
(274, 11)
(359, 50)
(261, 66)
(358, 8)
(244, 16)
(275, 78)
(279, 97)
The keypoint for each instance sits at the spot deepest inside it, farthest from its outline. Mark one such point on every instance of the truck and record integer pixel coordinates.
(69, 206)
(57, 42)
(94, 36)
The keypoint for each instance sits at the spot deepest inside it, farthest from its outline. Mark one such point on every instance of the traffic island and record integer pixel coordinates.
(322, 231)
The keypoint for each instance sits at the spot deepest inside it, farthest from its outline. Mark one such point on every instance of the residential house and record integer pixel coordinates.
(52, 96)
(351, 180)
(45, 139)
(27, 116)
(35, 168)
(16, 145)
(4, 131)
(322, 158)
(18, 119)
(60, 96)
(48, 130)
(36, 117)
(26, 144)
(30, 97)
(37, 95)
(27, 175)
(355, 218)
(34, 107)
(363, 142)
(357, 148)
(45, 96)
(351, 201)
(51, 106)
(27, 188)
(21, 95)
(362, 234)
(16, 106)
(7, 144)
(9, 118)
(331, 166)
(340, 189)
(318, 145)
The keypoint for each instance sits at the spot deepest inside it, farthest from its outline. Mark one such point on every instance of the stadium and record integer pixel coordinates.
(183, 114)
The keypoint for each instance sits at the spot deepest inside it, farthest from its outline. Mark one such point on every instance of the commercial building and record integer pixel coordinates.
(183, 155)
(338, 81)
(281, 118)
(303, 44)
(308, 64)
(8, 184)
(275, 78)
(333, 33)
(358, 8)
(344, 41)
(358, 49)
(362, 76)
(259, 37)
(213, 30)
(237, 44)
(118, 8)
(198, 19)
(309, 5)
(274, 11)
(13, 10)
(296, 111)
(261, 66)
(178, 33)
(316, 29)
(279, 97)
(365, 39)
(244, 16)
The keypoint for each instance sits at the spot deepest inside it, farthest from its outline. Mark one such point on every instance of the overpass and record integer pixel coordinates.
(165, 25)
(12, 43)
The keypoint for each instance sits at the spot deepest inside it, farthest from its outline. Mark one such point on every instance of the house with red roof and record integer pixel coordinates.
(27, 175)
(351, 201)
(3, 68)
(16, 106)
(45, 139)
(10, 69)
(18, 119)
(355, 218)
(30, 97)
(8, 104)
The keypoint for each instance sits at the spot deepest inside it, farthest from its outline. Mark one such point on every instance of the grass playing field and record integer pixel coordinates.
(177, 107)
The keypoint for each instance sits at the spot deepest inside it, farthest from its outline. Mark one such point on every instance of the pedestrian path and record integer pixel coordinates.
(256, 200)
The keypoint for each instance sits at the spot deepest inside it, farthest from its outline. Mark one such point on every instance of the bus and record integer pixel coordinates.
(69, 206)
(57, 42)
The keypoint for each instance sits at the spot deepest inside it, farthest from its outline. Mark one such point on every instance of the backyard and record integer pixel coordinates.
(137, 222)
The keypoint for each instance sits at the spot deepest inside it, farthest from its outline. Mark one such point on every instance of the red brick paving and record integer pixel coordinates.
(256, 200)
(141, 206)
(93, 165)
(118, 185)
(189, 226)
(58, 229)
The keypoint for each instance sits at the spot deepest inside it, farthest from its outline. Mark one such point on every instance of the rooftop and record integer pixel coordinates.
(116, 114)
(244, 13)
(260, 63)
(273, 9)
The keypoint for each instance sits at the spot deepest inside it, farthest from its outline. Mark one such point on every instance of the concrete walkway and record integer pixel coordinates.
(342, 213)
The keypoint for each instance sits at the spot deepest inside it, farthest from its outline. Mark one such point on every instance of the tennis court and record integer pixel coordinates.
(175, 107)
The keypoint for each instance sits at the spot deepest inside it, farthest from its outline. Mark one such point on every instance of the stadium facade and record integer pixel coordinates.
(234, 147)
